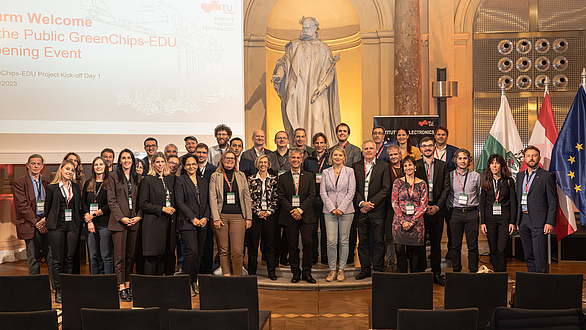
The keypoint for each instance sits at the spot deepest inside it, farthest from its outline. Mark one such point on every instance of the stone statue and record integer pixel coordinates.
(305, 79)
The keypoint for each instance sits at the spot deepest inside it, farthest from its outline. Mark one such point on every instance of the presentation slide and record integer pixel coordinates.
(81, 75)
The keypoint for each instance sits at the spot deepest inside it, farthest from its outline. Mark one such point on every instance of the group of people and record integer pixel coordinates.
(140, 211)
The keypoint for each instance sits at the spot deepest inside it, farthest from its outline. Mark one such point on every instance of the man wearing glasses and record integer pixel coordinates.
(378, 136)
(150, 146)
(223, 135)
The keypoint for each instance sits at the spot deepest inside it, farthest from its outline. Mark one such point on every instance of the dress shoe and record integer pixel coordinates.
(123, 294)
(295, 278)
(308, 278)
(273, 277)
(324, 261)
(179, 271)
(331, 276)
(439, 279)
(340, 275)
(285, 262)
(314, 261)
(58, 297)
(194, 290)
(362, 275)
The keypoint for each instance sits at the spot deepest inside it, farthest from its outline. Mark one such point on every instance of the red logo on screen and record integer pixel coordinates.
(423, 123)
(208, 7)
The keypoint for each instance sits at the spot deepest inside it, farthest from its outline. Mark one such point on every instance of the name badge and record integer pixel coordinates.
(430, 185)
(281, 172)
(263, 204)
(524, 199)
(317, 177)
(366, 183)
(296, 201)
(496, 209)
(231, 198)
(410, 209)
(463, 199)
(93, 208)
(68, 215)
(167, 202)
(130, 203)
(41, 205)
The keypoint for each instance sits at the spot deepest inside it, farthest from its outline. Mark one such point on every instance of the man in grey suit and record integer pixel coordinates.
(537, 210)
(353, 153)
(258, 138)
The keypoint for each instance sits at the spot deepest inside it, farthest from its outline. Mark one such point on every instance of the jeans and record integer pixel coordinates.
(338, 228)
(101, 251)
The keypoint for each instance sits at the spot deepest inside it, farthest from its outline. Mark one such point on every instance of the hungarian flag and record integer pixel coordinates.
(503, 139)
(544, 136)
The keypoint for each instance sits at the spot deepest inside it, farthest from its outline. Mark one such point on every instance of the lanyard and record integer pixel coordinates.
(39, 186)
(167, 193)
(380, 150)
(229, 182)
(412, 187)
(429, 169)
(528, 180)
(458, 177)
(366, 174)
(297, 185)
(323, 160)
(497, 191)
(394, 171)
(69, 194)
(279, 161)
(97, 192)
(345, 144)
(129, 189)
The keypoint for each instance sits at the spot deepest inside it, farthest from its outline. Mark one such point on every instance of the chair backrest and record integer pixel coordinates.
(447, 319)
(161, 291)
(485, 291)
(127, 319)
(46, 320)
(86, 291)
(25, 293)
(233, 319)
(223, 292)
(548, 291)
(519, 318)
(391, 291)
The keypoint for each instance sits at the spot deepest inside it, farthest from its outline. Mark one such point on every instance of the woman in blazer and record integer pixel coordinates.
(231, 211)
(337, 189)
(63, 210)
(124, 218)
(193, 209)
(97, 214)
(498, 209)
(264, 196)
(157, 203)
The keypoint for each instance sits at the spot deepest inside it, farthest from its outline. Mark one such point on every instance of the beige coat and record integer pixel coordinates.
(217, 194)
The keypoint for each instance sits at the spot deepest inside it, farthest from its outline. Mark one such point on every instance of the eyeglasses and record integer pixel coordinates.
(378, 133)
(150, 146)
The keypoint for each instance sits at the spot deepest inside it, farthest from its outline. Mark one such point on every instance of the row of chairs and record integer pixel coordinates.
(130, 319)
(33, 293)
(486, 292)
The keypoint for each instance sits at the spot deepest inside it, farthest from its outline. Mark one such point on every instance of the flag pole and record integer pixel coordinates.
(546, 82)
(502, 86)
(584, 78)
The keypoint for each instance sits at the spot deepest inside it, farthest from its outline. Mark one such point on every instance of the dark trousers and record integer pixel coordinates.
(35, 247)
(353, 238)
(417, 253)
(124, 249)
(464, 223)
(154, 265)
(280, 243)
(138, 256)
(207, 259)
(322, 246)
(434, 227)
(534, 243)
(265, 229)
(194, 242)
(366, 226)
(62, 244)
(447, 217)
(497, 233)
(293, 239)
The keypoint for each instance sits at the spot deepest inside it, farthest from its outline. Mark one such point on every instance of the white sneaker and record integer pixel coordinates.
(218, 271)
(331, 276)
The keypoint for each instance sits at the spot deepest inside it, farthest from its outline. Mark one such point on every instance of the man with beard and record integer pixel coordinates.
(305, 80)
(223, 135)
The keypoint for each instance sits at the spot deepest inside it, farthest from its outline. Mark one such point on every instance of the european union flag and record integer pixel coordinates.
(568, 157)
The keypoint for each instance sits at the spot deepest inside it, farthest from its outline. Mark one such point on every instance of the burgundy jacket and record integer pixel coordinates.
(25, 205)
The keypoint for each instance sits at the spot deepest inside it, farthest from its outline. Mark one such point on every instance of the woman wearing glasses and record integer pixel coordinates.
(231, 209)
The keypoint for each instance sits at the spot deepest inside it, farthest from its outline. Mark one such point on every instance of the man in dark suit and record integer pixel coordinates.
(373, 185)
(537, 210)
(244, 165)
(29, 204)
(206, 169)
(435, 173)
(150, 146)
(258, 139)
(296, 190)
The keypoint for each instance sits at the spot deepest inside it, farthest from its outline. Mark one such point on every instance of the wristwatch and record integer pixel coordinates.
(94, 214)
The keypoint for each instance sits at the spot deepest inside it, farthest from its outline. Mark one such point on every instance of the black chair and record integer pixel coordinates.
(233, 319)
(161, 291)
(223, 292)
(127, 319)
(391, 291)
(446, 319)
(86, 291)
(46, 320)
(25, 293)
(517, 318)
(548, 291)
(485, 291)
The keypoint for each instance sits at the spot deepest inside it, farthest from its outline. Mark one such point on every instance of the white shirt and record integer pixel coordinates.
(296, 176)
(440, 153)
(67, 193)
(215, 153)
(368, 171)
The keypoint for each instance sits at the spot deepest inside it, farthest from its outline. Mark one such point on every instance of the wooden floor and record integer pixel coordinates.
(324, 309)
